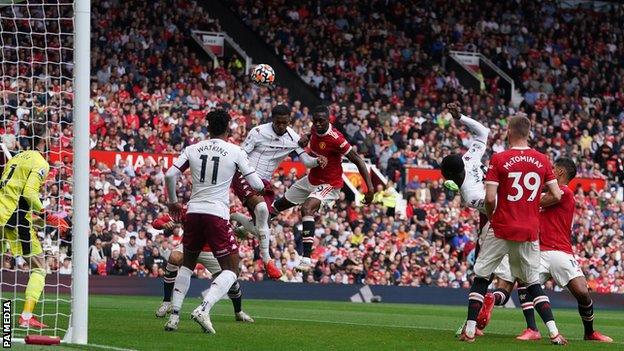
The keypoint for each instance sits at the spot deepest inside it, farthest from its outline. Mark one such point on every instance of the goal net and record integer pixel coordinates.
(37, 98)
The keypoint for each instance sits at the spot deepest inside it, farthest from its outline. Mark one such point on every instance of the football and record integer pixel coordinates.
(263, 75)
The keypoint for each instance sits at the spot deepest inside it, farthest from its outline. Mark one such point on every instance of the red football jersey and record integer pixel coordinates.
(332, 145)
(520, 174)
(556, 223)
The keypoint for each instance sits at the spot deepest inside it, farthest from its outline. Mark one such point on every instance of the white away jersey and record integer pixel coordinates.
(213, 163)
(472, 190)
(266, 150)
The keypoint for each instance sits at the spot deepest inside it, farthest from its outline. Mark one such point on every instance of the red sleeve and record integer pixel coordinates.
(492, 176)
(343, 145)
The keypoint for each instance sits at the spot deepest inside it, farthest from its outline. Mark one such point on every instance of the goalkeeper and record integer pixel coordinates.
(20, 206)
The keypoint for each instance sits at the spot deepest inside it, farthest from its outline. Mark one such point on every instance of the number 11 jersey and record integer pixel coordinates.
(520, 174)
(213, 163)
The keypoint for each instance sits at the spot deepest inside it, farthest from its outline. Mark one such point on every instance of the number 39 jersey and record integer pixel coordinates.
(213, 163)
(520, 174)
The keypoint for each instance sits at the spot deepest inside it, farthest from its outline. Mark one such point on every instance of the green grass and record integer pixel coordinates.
(128, 322)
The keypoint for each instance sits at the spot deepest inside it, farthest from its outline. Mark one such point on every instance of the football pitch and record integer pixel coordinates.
(129, 323)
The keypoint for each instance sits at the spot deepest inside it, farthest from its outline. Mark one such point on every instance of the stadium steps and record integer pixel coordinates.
(255, 46)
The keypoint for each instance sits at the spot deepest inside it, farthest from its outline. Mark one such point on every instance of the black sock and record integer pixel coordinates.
(308, 235)
(475, 298)
(171, 272)
(587, 315)
(236, 296)
(526, 302)
(541, 302)
(501, 296)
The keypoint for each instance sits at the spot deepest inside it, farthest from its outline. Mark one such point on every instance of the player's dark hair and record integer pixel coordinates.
(520, 126)
(452, 166)
(280, 110)
(36, 134)
(320, 110)
(218, 122)
(568, 165)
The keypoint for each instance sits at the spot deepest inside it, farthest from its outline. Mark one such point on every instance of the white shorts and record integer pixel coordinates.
(524, 257)
(503, 271)
(560, 266)
(302, 190)
(205, 258)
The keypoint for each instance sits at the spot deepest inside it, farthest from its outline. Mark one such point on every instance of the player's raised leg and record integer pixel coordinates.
(309, 208)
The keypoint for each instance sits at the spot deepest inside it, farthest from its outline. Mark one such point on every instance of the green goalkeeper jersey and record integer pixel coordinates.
(22, 177)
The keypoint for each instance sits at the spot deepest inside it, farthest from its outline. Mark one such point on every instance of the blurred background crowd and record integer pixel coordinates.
(381, 67)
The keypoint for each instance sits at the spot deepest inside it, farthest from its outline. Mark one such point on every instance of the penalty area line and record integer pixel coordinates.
(413, 327)
(101, 347)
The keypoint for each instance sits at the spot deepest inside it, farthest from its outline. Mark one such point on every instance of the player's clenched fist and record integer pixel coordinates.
(454, 110)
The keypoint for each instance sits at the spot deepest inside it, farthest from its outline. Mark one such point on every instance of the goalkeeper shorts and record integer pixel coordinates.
(21, 239)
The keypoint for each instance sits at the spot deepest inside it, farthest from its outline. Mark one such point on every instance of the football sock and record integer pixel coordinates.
(475, 302)
(262, 224)
(245, 221)
(171, 271)
(527, 308)
(501, 296)
(587, 315)
(219, 287)
(180, 288)
(236, 296)
(308, 235)
(542, 306)
(36, 282)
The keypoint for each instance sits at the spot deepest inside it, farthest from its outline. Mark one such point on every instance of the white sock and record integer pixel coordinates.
(552, 328)
(180, 288)
(218, 289)
(245, 221)
(471, 327)
(26, 315)
(262, 225)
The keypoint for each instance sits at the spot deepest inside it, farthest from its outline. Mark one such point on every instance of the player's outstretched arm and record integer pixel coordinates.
(361, 166)
(311, 162)
(478, 130)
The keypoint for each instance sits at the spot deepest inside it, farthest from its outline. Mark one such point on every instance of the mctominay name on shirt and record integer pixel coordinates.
(530, 159)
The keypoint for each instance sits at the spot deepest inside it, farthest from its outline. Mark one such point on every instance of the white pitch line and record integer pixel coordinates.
(106, 347)
(415, 327)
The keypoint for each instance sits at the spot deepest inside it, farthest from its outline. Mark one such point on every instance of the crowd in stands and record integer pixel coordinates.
(381, 69)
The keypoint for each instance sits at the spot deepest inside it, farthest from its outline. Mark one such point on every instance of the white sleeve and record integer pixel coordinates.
(478, 130)
(308, 161)
(171, 178)
(182, 162)
(242, 163)
(250, 142)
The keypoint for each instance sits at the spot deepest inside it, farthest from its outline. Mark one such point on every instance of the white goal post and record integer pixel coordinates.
(82, 73)
(45, 82)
